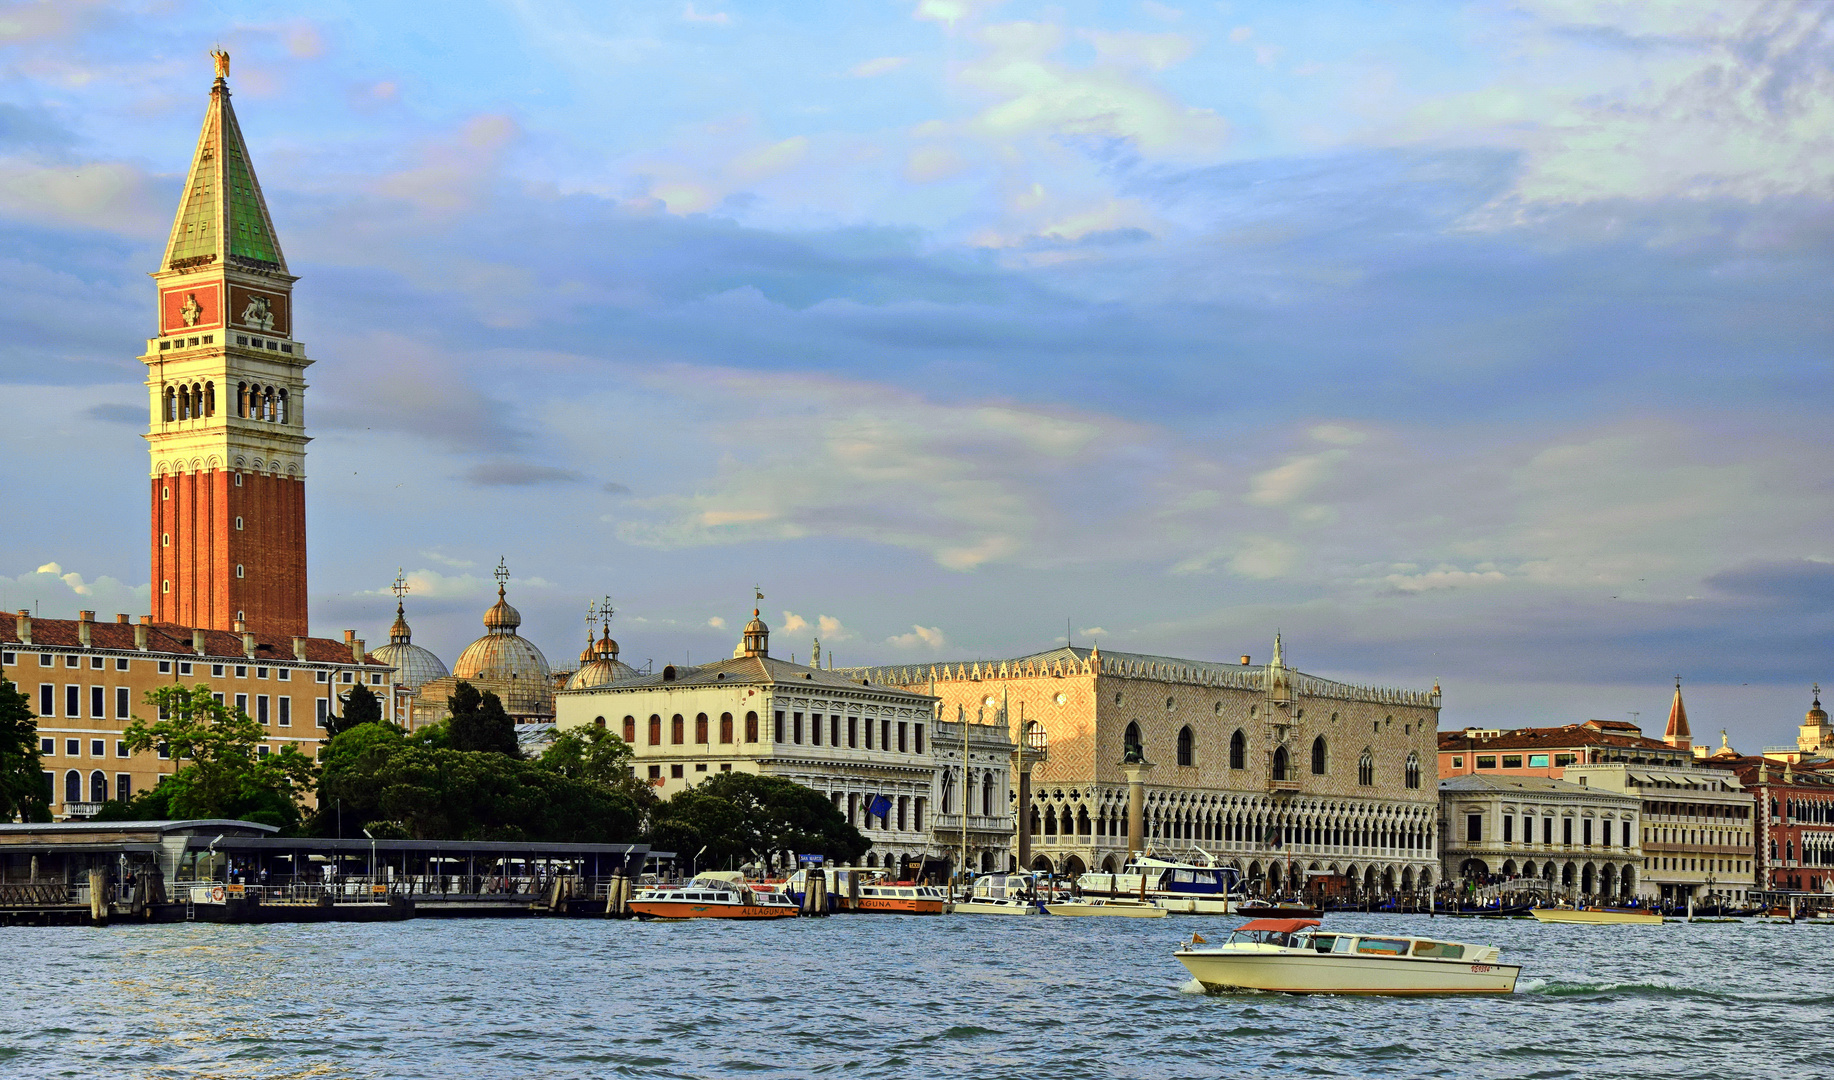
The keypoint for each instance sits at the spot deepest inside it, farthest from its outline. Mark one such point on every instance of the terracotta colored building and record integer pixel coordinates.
(226, 389)
(1795, 813)
(1547, 752)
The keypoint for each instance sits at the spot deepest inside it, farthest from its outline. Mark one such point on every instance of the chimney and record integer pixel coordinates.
(84, 620)
(197, 642)
(1244, 661)
(86, 616)
(23, 626)
(299, 649)
(140, 634)
(121, 620)
(248, 639)
(357, 651)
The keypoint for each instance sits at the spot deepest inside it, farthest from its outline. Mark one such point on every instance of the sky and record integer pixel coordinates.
(1480, 343)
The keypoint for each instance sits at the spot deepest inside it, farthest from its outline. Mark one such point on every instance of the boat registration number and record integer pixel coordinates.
(1479, 969)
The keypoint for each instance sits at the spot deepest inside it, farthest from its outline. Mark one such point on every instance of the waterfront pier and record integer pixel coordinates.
(76, 872)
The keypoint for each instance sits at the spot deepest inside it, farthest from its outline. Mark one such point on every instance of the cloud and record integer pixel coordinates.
(717, 18)
(388, 382)
(455, 172)
(831, 629)
(612, 487)
(1299, 475)
(95, 195)
(57, 593)
(1153, 52)
(792, 623)
(717, 623)
(884, 65)
(930, 638)
(517, 474)
(110, 413)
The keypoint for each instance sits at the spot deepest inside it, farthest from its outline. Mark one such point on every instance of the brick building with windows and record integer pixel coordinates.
(88, 681)
(225, 380)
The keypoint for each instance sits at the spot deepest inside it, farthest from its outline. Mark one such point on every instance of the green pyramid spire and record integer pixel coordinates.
(222, 218)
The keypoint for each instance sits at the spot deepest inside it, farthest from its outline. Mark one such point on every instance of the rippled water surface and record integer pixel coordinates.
(883, 995)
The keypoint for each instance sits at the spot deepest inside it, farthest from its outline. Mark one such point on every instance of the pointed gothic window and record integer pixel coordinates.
(1187, 746)
(1413, 770)
(1238, 750)
(1365, 768)
(1318, 756)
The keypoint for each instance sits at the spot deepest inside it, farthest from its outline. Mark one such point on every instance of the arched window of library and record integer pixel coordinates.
(725, 727)
(678, 730)
(700, 729)
(630, 730)
(655, 730)
(751, 727)
(1238, 750)
(1187, 746)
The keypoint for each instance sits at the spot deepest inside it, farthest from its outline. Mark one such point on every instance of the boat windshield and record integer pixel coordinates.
(1278, 938)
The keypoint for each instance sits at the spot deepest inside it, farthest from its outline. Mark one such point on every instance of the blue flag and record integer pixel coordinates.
(879, 806)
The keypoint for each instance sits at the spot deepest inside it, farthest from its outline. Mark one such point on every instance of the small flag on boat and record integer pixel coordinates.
(879, 806)
(1199, 939)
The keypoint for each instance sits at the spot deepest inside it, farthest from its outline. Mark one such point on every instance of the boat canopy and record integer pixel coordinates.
(1275, 926)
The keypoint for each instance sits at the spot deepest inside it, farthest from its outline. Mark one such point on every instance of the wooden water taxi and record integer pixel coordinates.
(1604, 916)
(712, 898)
(1293, 956)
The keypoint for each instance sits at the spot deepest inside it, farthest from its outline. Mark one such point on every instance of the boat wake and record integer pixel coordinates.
(1191, 987)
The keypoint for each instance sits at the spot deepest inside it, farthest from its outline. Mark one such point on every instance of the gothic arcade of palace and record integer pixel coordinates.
(1277, 771)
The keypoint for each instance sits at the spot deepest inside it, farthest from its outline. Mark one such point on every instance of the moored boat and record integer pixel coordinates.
(1000, 894)
(1293, 956)
(1111, 909)
(866, 889)
(1604, 916)
(712, 898)
(1285, 909)
(1196, 888)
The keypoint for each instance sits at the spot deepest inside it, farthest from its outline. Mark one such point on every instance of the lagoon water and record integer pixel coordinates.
(885, 996)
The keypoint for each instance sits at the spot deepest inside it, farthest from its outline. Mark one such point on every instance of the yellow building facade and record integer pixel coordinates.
(1282, 773)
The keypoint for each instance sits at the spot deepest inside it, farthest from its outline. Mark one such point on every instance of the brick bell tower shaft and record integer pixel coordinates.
(226, 388)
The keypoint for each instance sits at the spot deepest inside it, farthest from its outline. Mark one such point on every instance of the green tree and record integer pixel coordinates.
(592, 754)
(737, 816)
(224, 774)
(360, 707)
(479, 723)
(22, 780)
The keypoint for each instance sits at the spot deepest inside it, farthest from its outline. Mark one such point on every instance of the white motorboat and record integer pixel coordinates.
(1000, 894)
(1110, 909)
(712, 896)
(1207, 888)
(1294, 956)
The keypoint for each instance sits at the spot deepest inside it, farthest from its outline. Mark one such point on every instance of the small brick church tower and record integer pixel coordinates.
(226, 381)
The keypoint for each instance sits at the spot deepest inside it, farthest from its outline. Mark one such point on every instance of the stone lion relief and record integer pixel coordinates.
(257, 314)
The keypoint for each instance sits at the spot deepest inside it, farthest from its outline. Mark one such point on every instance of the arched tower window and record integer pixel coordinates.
(184, 403)
(281, 406)
(1413, 770)
(171, 404)
(1318, 756)
(1187, 746)
(210, 399)
(1365, 768)
(1238, 750)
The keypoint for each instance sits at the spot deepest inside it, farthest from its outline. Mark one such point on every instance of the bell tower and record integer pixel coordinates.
(226, 385)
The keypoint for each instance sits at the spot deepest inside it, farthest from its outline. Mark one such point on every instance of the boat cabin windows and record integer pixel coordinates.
(1383, 946)
(1439, 950)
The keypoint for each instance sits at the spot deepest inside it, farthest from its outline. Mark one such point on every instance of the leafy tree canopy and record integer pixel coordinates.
(360, 707)
(739, 817)
(593, 754)
(479, 723)
(419, 786)
(225, 775)
(22, 783)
